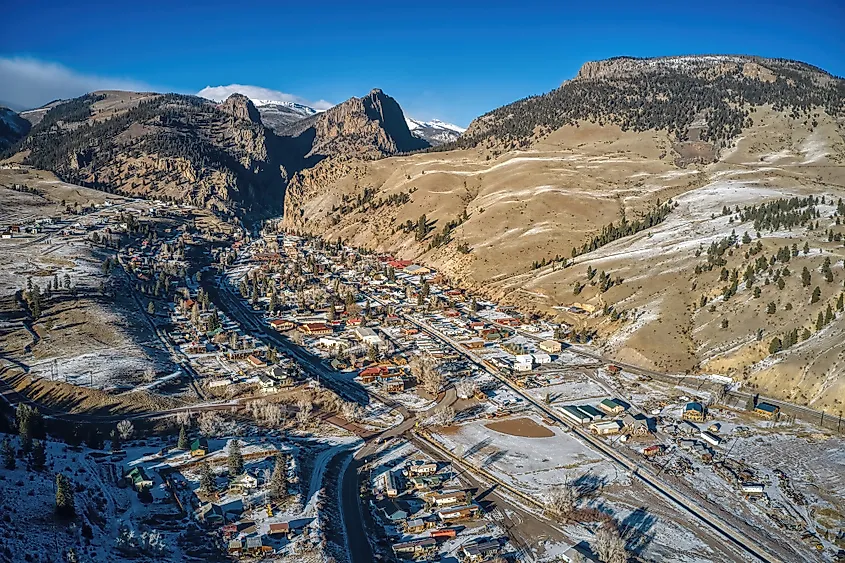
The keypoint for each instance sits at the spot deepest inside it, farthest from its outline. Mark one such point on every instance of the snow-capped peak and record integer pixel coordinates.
(264, 97)
(414, 124)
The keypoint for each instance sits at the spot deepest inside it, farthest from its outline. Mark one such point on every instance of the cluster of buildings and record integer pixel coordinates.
(417, 501)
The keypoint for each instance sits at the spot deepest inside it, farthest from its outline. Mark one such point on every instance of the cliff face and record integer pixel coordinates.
(368, 127)
(172, 147)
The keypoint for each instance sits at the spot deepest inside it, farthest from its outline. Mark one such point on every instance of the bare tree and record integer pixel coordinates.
(183, 418)
(466, 388)
(210, 424)
(125, 429)
(609, 544)
(562, 500)
(442, 417)
(351, 411)
(424, 369)
(303, 417)
(271, 414)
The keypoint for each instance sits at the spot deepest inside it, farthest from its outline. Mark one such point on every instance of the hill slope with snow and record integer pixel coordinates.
(436, 132)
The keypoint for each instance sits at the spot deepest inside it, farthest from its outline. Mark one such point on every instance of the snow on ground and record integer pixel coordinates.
(531, 464)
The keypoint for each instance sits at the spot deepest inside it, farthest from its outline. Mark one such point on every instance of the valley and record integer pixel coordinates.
(606, 323)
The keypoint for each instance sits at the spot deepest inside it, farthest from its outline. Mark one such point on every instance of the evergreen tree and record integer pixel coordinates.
(236, 459)
(806, 279)
(39, 455)
(817, 295)
(279, 478)
(30, 425)
(207, 481)
(775, 346)
(64, 497)
(183, 443)
(820, 321)
(8, 453)
(115, 440)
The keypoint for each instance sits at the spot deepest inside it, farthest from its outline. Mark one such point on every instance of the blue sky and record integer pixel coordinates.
(449, 60)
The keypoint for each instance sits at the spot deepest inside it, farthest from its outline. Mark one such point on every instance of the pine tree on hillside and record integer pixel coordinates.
(183, 443)
(236, 459)
(279, 478)
(208, 484)
(8, 453)
(39, 455)
(64, 497)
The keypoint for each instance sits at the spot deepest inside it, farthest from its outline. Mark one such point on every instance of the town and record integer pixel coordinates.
(326, 402)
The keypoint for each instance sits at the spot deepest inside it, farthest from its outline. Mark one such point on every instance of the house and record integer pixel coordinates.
(606, 428)
(752, 488)
(391, 484)
(540, 358)
(481, 551)
(353, 322)
(394, 384)
(459, 513)
(372, 373)
(243, 482)
(392, 511)
(314, 329)
(611, 407)
(210, 513)
(415, 526)
(280, 375)
(766, 410)
(281, 324)
(653, 450)
(422, 469)
(429, 482)
(138, 477)
(254, 547)
(575, 414)
(280, 529)
(449, 498)
(417, 270)
(473, 344)
(509, 321)
(199, 447)
(255, 361)
(414, 547)
(267, 383)
(635, 425)
(693, 411)
(550, 346)
(236, 547)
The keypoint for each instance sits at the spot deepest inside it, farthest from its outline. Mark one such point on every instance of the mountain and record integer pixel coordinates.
(278, 115)
(12, 128)
(558, 204)
(436, 132)
(369, 127)
(166, 146)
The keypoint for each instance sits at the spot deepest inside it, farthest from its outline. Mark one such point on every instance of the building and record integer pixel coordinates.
(635, 425)
(481, 551)
(267, 383)
(391, 484)
(210, 513)
(591, 411)
(541, 358)
(415, 526)
(766, 410)
(255, 361)
(449, 498)
(368, 336)
(693, 411)
(314, 329)
(443, 533)
(199, 447)
(579, 553)
(611, 407)
(459, 513)
(711, 438)
(392, 511)
(419, 469)
(280, 529)
(281, 324)
(138, 477)
(575, 414)
(414, 547)
(550, 346)
(606, 428)
(243, 483)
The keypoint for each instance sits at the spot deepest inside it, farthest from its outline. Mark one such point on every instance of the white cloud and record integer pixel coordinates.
(30, 83)
(257, 93)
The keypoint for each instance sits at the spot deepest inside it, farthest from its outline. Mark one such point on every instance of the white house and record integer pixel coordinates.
(541, 358)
